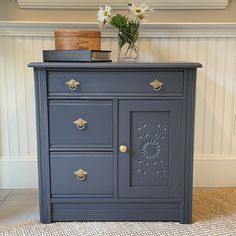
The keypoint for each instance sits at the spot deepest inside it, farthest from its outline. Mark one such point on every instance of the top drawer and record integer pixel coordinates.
(120, 83)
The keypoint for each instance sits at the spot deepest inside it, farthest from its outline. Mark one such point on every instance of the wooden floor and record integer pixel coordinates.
(17, 206)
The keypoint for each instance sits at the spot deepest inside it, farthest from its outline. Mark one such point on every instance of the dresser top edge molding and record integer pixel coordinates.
(116, 65)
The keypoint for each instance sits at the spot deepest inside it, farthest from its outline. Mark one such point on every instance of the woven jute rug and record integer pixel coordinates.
(214, 213)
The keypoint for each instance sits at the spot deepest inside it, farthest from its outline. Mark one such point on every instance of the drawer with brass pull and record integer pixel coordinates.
(82, 174)
(80, 123)
(81, 83)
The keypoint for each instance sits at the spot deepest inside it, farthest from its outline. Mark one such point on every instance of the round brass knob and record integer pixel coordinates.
(123, 148)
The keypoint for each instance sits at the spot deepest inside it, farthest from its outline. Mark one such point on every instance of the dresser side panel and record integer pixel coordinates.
(189, 114)
(42, 144)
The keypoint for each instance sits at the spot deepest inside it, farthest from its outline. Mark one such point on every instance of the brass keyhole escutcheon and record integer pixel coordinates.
(123, 148)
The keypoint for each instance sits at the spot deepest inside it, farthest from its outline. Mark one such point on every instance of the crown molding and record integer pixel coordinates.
(151, 30)
(93, 4)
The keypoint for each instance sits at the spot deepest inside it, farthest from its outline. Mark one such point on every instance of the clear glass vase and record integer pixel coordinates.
(128, 47)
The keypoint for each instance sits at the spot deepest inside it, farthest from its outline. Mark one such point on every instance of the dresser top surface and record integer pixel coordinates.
(116, 65)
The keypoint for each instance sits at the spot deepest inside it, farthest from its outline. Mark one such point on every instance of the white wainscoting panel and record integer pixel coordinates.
(215, 140)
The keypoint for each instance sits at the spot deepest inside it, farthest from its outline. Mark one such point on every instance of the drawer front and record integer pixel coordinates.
(80, 123)
(66, 178)
(118, 82)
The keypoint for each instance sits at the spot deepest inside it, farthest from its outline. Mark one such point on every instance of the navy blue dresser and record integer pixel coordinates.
(115, 141)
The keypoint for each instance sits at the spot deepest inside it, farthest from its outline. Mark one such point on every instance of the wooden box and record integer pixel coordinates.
(77, 40)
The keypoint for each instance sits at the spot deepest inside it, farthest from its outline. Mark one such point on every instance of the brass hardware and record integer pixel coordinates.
(156, 84)
(72, 84)
(123, 148)
(80, 123)
(81, 174)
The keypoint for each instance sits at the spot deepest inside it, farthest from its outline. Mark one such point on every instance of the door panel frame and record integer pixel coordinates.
(176, 112)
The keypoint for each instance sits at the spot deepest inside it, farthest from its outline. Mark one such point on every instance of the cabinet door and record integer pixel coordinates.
(152, 133)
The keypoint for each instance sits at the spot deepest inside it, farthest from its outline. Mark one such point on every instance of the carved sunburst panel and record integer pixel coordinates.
(150, 148)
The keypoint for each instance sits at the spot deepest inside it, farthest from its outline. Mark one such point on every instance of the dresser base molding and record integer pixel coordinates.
(116, 212)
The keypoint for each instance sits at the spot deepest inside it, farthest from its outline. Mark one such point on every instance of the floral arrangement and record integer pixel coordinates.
(128, 26)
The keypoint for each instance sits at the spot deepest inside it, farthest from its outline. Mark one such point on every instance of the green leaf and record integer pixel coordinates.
(119, 21)
(129, 34)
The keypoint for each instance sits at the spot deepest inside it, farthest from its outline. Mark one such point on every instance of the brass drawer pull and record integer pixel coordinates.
(80, 123)
(123, 148)
(72, 84)
(156, 85)
(81, 174)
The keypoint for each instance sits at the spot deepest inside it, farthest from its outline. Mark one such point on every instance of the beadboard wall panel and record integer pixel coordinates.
(215, 138)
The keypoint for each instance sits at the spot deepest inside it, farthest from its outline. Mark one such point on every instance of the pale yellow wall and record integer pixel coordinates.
(9, 11)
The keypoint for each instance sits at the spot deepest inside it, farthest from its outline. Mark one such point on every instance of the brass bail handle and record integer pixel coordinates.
(156, 85)
(72, 84)
(80, 123)
(81, 174)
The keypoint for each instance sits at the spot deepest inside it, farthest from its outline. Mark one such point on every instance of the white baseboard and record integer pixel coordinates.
(215, 171)
(209, 171)
(18, 172)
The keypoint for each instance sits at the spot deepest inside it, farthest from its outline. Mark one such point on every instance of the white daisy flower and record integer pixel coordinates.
(103, 14)
(138, 11)
(145, 7)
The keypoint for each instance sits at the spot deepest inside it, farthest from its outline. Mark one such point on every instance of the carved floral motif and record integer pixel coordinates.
(150, 149)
